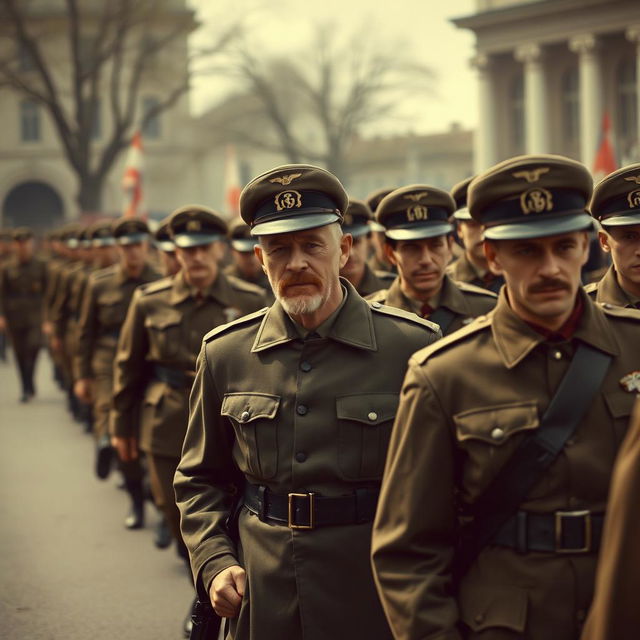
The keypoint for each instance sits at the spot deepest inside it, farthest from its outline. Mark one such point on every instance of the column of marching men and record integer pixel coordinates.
(123, 313)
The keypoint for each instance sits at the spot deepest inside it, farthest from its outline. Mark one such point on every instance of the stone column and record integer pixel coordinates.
(633, 34)
(586, 46)
(535, 98)
(485, 152)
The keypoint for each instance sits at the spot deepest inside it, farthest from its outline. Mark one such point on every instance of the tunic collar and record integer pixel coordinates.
(219, 290)
(609, 290)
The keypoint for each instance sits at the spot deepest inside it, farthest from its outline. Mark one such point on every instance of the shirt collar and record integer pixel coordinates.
(351, 324)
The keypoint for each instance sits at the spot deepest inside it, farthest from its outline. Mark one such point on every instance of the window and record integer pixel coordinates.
(571, 110)
(627, 109)
(516, 103)
(29, 121)
(151, 129)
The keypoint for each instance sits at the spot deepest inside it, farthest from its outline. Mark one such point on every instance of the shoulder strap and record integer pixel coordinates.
(443, 317)
(537, 451)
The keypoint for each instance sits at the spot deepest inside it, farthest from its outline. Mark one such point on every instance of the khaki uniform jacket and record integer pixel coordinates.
(609, 291)
(464, 300)
(104, 309)
(466, 404)
(319, 418)
(261, 281)
(164, 327)
(22, 290)
(373, 281)
(615, 613)
(461, 270)
(61, 311)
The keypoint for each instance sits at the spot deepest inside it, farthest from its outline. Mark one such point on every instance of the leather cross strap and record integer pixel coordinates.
(536, 452)
(442, 317)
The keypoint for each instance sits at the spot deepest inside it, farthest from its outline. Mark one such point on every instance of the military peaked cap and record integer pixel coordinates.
(101, 234)
(616, 199)
(162, 237)
(459, 194)
(195, 225)
(130, 230)
(357, 218)
(240, 236)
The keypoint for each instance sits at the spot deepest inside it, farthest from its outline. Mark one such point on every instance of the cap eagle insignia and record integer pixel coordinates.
(531, 176)
(416, 197)
(635, 179)
(285, 180)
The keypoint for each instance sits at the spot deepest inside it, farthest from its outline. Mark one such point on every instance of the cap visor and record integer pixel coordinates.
(540, 228)
(376, 226)
(416, 232)
(244, 245)
(165, 245)
(188, 240)
(621, 221)
(104, 242)
(462, 214)
(294, 223)
(132, 238)
(357, 230)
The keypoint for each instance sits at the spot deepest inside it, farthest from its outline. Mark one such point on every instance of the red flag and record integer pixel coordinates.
(132, 178)
(232, 185)
(605, 161)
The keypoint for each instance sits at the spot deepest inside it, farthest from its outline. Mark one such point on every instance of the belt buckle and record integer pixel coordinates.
(559, 519)
(291, 512)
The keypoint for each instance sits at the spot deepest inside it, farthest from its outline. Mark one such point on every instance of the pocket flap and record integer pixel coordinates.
(620, 403)
(164, 321)
(497, 423)
(367, 408)
(487, 606)
(247, 407)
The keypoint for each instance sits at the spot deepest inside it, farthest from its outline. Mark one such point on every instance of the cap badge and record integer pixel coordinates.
(631, 382)
(417, 212)
(635, 179)
(194, 225)
(531, 176)
(285, 181)
(536, 200)
(288, 200)
(416, 197)
(634, 199)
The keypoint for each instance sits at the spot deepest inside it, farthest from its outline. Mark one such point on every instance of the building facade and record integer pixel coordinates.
(551, 72)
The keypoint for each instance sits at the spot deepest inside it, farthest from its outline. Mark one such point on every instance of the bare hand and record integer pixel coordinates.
(227, 590)
(83, 388)
(127, 448)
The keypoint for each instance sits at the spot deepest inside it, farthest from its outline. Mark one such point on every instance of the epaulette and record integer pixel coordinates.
(378, 296)
(472, 288)
(223, 328)
(478, 324)
(401, 313)
(156, 286)
(242, 285)
(591, 289)
(619, 312)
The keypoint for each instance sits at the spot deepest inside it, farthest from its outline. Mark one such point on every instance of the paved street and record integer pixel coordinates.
(68, 568)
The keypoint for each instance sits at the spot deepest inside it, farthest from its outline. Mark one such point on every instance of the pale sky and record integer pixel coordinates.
(420, 27)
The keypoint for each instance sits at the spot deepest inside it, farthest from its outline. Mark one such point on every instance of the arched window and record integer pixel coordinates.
(571, 110)
(516, 109)
(627, 110)
(29, 121)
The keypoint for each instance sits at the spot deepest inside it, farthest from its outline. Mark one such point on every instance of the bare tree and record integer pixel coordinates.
(111, 50)
(332, 91)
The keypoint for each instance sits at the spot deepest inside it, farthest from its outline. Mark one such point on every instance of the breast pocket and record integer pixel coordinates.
(620, 405)
(253, 416)
(489, 436)
(364, 424)
(165, 334)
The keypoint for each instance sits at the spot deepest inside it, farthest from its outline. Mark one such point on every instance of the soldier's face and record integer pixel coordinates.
(421, 263)
(542, 274)
(623, 243)
(170, 264)
(200, 264)
(106, 256)
(247, 263)
(303, 267)
(470, 233)
(357, 258)
(133, 255)
(23, 249)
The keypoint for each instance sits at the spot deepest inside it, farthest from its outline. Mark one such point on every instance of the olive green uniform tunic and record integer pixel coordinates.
(608, 290)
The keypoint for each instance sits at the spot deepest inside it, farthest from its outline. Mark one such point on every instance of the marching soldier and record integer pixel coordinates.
(290, 415)
(496, 481)
(357, 223)
(104, 310)
(166, 249)
(471, 267)
(159, 343)
(616, 205)
(23, 282)
(418, 241)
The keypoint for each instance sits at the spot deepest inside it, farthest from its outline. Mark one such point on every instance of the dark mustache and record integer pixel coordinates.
(549, 283)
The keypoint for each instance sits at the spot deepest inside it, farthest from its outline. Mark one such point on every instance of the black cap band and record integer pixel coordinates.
(293, 203)
(401, 219)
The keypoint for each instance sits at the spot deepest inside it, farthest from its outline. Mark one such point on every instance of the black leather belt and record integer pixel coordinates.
(310, 510)
(559, 532)
(176, 378)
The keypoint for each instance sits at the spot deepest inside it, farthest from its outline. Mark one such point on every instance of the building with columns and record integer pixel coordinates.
(549, 71)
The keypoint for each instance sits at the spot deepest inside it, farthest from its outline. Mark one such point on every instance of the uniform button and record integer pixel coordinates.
(376, 305)
(245, 416)
(557, 355)
(373, 416)
(301, 456)
(301, 409)
(498, 434)
(479, 618)
(305, 366)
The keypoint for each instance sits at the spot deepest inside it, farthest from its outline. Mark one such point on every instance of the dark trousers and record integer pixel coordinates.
(26, 343)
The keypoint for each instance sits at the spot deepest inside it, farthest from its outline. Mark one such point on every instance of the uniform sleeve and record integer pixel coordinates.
(414, 528)
(207, 483)
(58, 314)
(130, 372)
(87, 333)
